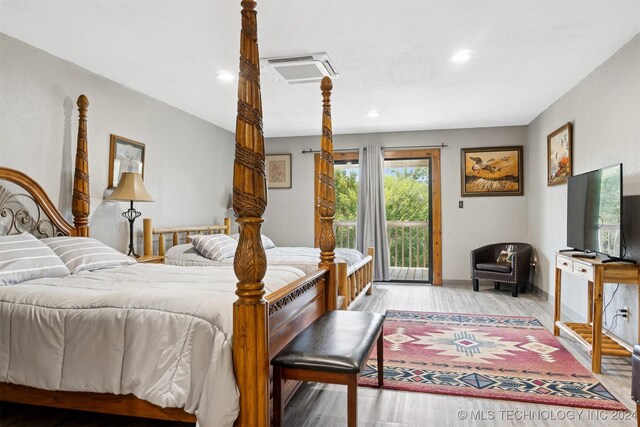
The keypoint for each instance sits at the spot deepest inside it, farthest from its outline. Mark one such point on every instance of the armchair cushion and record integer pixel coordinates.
(498, 267)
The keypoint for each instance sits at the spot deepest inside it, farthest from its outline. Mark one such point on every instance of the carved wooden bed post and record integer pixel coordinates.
(327, 196)
(326, 188)
(250, 322)
(81, 198)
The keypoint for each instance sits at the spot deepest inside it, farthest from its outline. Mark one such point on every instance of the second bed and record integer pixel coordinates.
(355, 269)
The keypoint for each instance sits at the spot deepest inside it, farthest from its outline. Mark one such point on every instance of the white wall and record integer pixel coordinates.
(189, 162)
(289, 215)
(605, 111)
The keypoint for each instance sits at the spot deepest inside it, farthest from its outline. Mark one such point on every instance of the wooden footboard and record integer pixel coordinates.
(353, 285)
(178, 235)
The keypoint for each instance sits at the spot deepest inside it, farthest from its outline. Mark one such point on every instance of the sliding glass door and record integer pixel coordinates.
(407, 188)
(413, 211)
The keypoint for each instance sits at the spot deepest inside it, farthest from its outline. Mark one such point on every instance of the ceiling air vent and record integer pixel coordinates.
(300, 69)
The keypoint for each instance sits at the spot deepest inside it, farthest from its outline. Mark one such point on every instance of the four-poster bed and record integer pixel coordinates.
(262, 323)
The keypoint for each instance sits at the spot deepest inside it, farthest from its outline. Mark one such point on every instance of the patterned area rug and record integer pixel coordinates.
(494, 357)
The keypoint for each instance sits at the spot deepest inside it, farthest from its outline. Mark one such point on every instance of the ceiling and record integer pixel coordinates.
(393, 55)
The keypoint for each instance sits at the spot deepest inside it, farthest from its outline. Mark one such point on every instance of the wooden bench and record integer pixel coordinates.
(333, 349)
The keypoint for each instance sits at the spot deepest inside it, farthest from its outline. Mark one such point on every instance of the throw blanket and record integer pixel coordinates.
(159, 332)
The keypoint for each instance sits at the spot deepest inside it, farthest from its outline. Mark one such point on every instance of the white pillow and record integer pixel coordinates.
(214, 246)
(267, 243)
(86, 254)
(23, 257)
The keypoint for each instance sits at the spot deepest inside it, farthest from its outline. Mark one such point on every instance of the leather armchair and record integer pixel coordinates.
(484, 265)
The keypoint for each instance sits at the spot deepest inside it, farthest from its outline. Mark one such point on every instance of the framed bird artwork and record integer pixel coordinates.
(559, 155)
(491, 171)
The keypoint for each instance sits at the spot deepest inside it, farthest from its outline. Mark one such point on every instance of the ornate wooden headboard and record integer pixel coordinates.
(25, 206)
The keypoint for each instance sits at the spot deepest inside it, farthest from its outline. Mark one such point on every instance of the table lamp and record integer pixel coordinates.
(131, 189)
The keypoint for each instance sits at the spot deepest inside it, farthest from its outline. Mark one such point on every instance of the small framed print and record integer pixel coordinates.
(559, 156)
(125, 155)
(278, 170)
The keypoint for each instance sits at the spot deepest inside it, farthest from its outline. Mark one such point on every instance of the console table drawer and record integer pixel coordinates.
(583, 270)
(564, 264)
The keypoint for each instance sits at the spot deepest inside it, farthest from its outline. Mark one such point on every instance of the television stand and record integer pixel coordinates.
(569, 250)
(589, 334)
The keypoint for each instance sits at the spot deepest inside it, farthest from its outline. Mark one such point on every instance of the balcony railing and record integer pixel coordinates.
(608, 236)
(408, 241)
(345, 234)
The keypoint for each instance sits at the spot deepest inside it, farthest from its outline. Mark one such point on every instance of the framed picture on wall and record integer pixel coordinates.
(559, 156)
(491, 171)
(278, 170)
(125, 155)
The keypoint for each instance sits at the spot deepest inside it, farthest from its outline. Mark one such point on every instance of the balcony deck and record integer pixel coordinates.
(409, 273)
(408, 243)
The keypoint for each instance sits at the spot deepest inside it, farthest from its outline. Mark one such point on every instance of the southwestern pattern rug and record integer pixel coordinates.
(494, 357)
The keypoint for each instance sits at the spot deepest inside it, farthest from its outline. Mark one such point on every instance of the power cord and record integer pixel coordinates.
(614, 322)
(604, 310)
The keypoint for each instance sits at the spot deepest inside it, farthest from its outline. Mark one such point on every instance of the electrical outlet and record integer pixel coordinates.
(461, 204)
(623, 312)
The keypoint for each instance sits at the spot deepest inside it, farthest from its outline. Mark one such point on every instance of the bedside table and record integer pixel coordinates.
(153, 259)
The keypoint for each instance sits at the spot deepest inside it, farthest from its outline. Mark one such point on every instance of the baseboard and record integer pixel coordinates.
(467, 282)
(567, 313)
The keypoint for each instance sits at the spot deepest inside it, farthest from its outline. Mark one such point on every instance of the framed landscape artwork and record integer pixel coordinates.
(559, 156)
(125, 155)
(278, 170)
(491, 171)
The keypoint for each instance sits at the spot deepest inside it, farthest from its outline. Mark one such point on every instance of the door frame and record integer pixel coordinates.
(436, 197)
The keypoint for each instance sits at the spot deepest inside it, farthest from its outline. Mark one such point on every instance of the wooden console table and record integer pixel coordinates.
(597, 274)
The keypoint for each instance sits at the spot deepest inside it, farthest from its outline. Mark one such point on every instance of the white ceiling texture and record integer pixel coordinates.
(393, 55)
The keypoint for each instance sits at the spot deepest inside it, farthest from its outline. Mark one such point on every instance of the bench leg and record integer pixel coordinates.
(380, 348)
(277, 396)
(352, 401)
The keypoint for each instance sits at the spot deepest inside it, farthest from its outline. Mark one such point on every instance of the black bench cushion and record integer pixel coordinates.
(635, 374)
(338, 341)
(498, 267)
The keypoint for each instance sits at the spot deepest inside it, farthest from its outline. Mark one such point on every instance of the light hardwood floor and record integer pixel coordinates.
(325, 405)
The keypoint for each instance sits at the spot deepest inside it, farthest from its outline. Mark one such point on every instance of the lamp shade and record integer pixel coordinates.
(130, 188)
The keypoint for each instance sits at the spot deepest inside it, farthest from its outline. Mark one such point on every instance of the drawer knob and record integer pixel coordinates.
(564, 263)
(583, 270)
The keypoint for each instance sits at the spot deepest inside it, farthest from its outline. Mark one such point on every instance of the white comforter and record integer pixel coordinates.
(306, 259)
(160, 332)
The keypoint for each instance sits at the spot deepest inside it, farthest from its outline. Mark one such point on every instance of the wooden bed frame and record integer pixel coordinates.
(262, 326)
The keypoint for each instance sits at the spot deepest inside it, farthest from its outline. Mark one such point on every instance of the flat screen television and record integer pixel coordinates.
(594, 211)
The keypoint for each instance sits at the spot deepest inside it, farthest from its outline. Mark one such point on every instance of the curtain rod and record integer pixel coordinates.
(443, 145)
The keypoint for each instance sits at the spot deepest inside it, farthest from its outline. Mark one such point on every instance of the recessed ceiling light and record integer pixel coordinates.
(462, 55)
(372, 113)
(225, 76)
